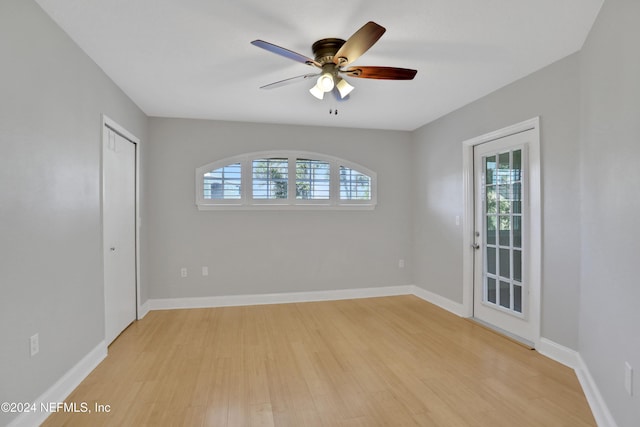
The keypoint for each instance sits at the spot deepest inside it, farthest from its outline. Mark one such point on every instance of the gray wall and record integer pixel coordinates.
(551, 93)
(51, 100)
(610, 157)
(251, 252)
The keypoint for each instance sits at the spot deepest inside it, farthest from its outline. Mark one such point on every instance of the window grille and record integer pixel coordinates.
(354, 185)
(270, 178)
(312, 179)
(223, 183)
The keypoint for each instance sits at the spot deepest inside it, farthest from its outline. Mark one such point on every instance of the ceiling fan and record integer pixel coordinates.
(332, 55)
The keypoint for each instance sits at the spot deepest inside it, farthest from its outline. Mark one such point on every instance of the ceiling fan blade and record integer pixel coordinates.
(382, 73)
(285, 52)
(358, 43)
(289, 81)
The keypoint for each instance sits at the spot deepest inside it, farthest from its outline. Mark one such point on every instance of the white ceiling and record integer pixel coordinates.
(193, 58)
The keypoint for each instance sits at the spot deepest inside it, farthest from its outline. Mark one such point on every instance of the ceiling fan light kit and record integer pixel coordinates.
(344, 88)
(331, 55)
(325, 82)
(317, 92)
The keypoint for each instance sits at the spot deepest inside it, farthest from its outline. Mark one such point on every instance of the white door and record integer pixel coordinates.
(502, 291)
(119, 222)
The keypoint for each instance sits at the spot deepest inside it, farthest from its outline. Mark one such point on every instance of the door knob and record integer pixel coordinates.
(475, 246)
(112, 249)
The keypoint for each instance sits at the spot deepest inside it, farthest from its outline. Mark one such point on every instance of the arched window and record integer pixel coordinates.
(284, 180)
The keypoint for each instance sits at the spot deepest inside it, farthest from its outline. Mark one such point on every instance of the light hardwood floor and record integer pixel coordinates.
(393, 361)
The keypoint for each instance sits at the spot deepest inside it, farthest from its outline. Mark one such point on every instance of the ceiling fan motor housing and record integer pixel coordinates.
(325, 49)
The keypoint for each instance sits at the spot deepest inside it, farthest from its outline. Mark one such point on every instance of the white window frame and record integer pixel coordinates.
(247, 202)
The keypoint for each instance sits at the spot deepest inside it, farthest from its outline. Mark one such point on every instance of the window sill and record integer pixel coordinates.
(286, 207)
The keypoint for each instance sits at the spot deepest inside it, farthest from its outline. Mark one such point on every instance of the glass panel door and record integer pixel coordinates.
(505, 240)
(502, 218)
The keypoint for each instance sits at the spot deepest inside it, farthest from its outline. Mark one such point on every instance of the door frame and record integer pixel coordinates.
(113, 125)
(535, 218)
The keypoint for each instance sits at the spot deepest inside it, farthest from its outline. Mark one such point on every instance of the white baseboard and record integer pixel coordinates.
(292, 297)
(143, 310)
(598, 406)
(572, 359)
(277, 298)
(62, 388)
(440, 301)
(559, 353)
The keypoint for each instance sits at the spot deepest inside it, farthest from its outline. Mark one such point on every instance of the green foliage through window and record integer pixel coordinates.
(312, 179)
(270, 178)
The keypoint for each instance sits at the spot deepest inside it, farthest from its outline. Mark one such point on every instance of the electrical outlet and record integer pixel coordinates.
(183, 272)
(205, 271)
(628, 378)
(34, 344)
(401, 263)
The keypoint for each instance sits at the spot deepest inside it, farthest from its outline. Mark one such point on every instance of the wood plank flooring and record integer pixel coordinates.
(393, 361)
